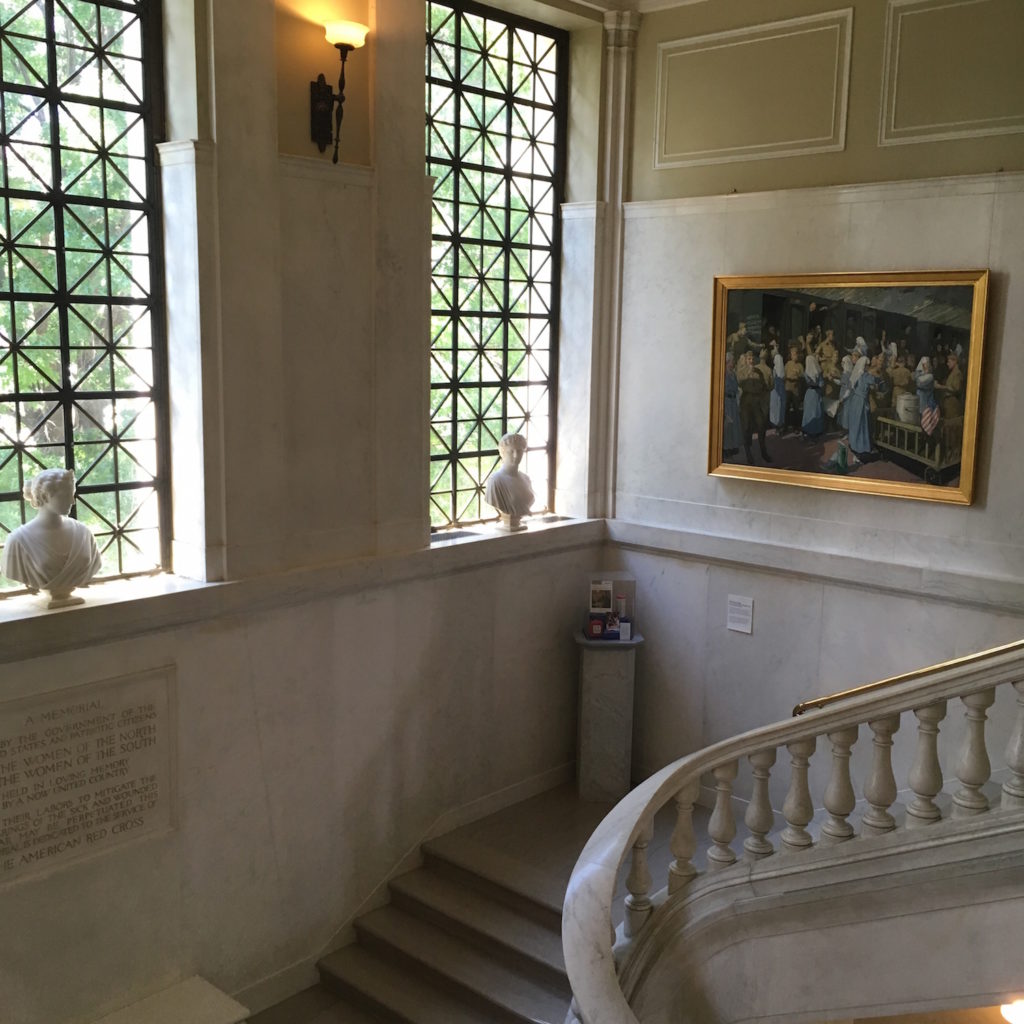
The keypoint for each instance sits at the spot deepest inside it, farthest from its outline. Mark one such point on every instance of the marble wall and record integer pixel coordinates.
(697, 682)
(674, 249)
(297, 295)
(847, 588)
(321, 734)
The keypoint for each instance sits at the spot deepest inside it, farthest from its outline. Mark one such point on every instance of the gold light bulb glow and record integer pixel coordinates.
(1013, 1012)
(346, 33)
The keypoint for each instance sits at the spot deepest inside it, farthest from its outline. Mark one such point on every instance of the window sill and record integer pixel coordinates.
(123, 609)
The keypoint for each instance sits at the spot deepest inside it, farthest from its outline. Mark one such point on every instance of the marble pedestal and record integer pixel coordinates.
(605, 738)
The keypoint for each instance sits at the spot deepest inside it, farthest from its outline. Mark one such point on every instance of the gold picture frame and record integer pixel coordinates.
(864, 382)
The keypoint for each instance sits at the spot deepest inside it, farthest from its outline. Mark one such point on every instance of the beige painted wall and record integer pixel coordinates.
(956, 64)
(302, 54)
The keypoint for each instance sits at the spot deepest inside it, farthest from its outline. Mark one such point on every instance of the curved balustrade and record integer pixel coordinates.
(591, 951)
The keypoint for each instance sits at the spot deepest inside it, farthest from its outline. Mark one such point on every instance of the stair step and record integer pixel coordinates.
(397, 994)
(450, 961)
(503, 879)
(471, 914)
(316, 1005)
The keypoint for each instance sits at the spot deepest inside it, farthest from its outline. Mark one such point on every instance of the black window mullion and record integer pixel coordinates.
(56, 199)
(456, 260)
(507, 291)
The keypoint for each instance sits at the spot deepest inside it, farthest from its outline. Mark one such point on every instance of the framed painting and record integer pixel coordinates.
(857, 382)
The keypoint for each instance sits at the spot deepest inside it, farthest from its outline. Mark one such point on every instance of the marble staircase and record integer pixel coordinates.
(471, 937)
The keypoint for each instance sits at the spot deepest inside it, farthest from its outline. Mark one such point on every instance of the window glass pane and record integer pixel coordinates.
(495, 131)
(80, 381)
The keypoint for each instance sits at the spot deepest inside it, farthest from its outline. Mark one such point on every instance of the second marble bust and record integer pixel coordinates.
(508, 490)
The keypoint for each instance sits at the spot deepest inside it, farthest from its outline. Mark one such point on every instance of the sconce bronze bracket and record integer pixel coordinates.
(322, 101)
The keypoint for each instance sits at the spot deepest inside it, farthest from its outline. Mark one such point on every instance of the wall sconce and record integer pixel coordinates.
(346, 36)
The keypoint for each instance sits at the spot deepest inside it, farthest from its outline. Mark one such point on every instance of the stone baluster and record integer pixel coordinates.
(926, 774)
(880, 789)
(798, 808)
(722, 826)
(1013, 787)
(974, 768)
(840, 798)
(760, 818)
(638, 883)
(684, 841)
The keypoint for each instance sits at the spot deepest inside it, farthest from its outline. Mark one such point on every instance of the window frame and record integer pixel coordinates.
(151, 111)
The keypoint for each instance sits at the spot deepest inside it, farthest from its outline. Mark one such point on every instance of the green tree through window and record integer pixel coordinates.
(80, 277)
(496, 94)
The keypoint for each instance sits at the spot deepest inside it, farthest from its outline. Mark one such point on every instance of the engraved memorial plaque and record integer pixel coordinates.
(84, 769)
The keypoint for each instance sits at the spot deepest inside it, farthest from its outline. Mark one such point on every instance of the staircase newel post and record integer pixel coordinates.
(722, 825)
(798, 808)
(840, 798)
(926, 775)
(759, 818)
(638, 883)
(974, 768)
(1013, 787)
(684, 841)
(880, 789)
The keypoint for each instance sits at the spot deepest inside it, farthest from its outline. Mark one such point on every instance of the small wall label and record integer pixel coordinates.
(740, 614)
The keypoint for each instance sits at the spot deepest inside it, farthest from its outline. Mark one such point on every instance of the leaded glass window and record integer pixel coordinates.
(80, 373)
(496, 95)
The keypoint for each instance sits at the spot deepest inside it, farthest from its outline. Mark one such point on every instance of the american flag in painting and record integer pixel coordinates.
(929, 418)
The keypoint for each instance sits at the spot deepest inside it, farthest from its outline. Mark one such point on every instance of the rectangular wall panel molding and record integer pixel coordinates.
(716, 103)
(951, 70)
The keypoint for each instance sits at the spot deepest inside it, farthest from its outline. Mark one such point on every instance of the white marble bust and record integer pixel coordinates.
(52, 552)
(508, 490)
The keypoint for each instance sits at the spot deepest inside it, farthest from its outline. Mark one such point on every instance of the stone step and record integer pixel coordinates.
(394, 992)
(500, 878)
(448, 961)
(316, 1005)
(487, 923)
(342, 1013)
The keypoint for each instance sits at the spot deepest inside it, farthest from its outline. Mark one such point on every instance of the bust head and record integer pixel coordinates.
(53, 489)
(511, 448)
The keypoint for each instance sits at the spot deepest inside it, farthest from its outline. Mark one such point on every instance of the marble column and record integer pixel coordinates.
(614, 157)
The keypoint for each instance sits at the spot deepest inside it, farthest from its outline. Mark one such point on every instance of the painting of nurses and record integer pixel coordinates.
(870, 378)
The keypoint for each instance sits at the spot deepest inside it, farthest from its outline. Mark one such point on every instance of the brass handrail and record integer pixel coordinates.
(917, 673)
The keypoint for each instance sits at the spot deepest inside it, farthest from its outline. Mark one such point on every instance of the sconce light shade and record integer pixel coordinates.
(346, 36)
(1013, 1012)
(346, 33)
